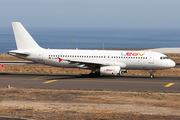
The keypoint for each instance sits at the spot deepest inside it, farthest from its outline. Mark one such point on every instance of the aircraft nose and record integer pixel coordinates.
(172, 64)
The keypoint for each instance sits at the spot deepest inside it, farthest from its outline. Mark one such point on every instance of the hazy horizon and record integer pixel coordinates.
(161, 14)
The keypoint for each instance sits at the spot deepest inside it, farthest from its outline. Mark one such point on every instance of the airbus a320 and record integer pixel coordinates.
(100, 62)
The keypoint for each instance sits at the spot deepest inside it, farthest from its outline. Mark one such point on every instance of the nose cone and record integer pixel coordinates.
(171, 64)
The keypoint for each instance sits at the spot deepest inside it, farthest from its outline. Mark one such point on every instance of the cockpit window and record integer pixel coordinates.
(165, 57)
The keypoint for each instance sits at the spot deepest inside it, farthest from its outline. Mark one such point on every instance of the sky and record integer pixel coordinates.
(91, 13)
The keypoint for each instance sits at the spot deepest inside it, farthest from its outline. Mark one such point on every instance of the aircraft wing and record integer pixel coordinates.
(95, 63)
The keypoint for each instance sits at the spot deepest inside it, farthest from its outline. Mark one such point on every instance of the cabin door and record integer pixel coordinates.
(40, 57)
(151, 58)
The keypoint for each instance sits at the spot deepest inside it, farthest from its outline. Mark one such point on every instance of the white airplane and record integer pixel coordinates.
(105, 62)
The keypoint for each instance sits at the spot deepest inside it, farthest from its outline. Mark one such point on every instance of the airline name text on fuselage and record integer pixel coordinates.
(131, 54)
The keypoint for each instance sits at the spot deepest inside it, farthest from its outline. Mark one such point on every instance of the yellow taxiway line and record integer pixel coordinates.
(168, 85)
(39, 77)
(50, 81)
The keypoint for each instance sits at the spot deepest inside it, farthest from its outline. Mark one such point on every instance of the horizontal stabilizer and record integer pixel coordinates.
(18, 52)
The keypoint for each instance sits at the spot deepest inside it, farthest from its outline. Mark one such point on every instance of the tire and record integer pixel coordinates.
(91, 75)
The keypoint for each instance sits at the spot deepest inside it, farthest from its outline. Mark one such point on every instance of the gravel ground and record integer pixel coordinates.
(88, 104)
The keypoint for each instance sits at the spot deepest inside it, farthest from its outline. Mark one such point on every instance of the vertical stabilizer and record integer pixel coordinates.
(23, 38)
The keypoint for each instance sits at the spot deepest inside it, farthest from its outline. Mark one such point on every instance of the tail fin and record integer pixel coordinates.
(23, 38)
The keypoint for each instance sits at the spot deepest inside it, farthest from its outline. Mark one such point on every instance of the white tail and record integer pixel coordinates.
(23, 38)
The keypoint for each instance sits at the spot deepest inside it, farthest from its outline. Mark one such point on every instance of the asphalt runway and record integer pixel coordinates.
(65, 81)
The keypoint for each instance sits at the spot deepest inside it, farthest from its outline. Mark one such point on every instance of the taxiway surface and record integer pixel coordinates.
(65, 81)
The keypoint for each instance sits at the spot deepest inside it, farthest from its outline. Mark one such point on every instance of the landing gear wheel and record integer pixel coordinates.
(97, 74)
(91, 75)
(151, 76)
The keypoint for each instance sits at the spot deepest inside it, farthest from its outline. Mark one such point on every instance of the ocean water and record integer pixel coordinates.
(92, 38)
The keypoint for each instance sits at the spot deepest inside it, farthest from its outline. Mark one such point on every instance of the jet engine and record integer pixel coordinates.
(110, 70)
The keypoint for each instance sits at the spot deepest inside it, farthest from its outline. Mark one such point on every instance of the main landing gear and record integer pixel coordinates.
(151, 74)
(92, 74)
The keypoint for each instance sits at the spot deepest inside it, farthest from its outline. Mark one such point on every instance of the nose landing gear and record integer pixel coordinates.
(151, 74)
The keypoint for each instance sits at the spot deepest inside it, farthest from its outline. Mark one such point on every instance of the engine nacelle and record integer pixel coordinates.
(110, 70)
